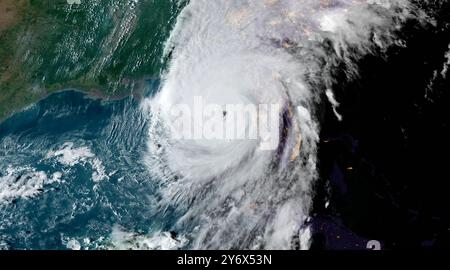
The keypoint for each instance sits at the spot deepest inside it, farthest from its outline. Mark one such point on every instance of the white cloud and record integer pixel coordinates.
(70, 156)
(257, 52)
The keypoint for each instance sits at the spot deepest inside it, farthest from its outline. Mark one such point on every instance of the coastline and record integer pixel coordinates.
(34, 66)
(137, 94)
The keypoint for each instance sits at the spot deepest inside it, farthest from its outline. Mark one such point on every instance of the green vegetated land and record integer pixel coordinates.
(104, 47)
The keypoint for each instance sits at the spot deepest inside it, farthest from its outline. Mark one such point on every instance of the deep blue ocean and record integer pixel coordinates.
(71, 173)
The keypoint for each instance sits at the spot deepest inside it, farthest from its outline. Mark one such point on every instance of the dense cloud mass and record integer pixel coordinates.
(231, 193)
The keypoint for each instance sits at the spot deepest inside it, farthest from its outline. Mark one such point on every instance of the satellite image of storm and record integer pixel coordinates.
(254, 125)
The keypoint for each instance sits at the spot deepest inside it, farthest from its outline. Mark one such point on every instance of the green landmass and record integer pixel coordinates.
(104, 47)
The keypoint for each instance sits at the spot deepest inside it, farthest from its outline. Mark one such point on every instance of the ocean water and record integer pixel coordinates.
(71, 174)
(83, 173)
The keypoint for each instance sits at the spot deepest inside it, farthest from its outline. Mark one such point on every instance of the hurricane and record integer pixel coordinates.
(224, 124)
(232, 194)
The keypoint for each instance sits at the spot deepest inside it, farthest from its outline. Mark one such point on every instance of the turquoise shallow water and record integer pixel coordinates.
(71, 168)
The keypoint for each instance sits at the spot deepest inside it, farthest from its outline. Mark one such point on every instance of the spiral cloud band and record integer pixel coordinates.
(230, 191)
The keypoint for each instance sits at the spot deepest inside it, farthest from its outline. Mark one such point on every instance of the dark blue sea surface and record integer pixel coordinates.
(71, 168)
